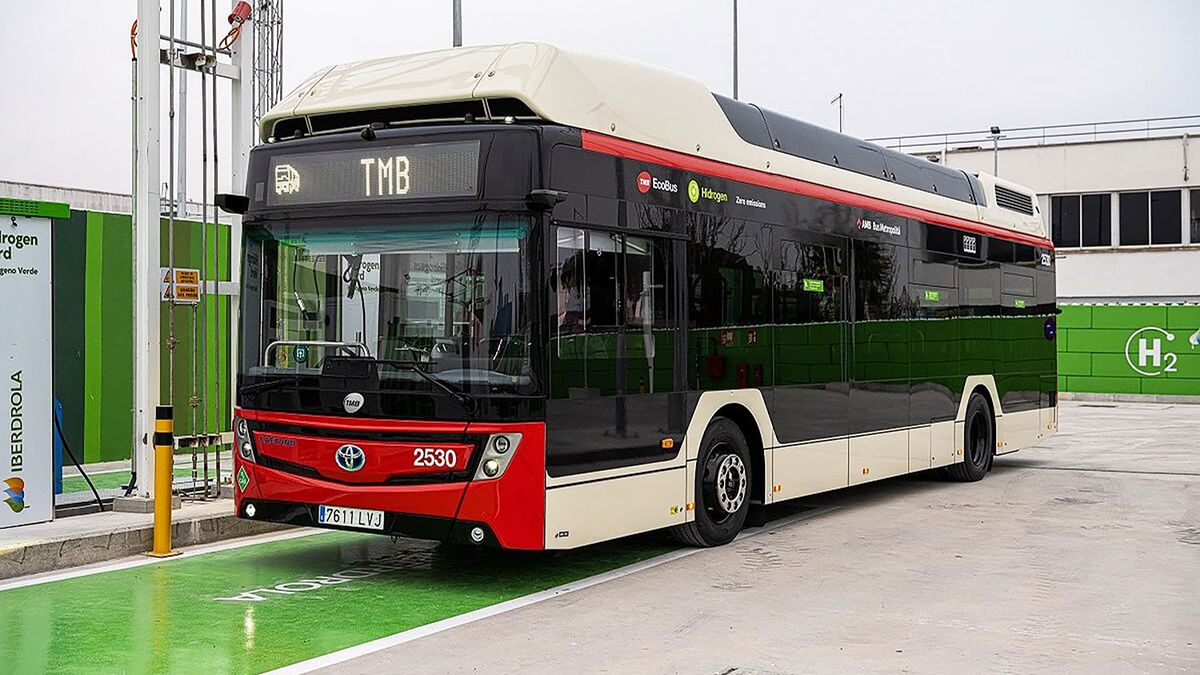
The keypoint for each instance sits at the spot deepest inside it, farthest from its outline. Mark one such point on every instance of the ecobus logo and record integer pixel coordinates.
(646, 182)
(1144, 351)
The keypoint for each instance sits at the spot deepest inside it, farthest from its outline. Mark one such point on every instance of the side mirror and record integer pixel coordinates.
(545, 200)
(235, 204)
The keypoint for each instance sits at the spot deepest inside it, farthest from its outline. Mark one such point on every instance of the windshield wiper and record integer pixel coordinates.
(468, 402)
(269, 384)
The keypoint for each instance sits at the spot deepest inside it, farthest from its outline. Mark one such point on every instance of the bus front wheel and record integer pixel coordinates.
(723, 483)
(979, 441)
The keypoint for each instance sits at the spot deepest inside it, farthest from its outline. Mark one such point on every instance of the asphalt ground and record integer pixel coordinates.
(1081, 555)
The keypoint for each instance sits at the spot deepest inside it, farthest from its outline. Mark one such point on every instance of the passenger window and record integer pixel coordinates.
(613, 324)
(727, 272)
(808, 285)
(585, 280)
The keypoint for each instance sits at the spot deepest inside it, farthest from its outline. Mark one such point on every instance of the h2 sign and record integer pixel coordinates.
(1145, 354)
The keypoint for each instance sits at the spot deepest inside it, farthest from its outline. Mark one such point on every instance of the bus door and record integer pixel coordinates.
(615, 361)
(811, 398)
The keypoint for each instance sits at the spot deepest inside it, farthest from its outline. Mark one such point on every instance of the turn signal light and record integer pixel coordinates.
(667, 443)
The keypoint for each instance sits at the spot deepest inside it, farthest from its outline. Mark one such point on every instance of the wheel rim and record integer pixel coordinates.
(725, 484)
(979, 439)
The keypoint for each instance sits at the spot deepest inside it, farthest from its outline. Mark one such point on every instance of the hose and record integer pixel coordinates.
(75, 461)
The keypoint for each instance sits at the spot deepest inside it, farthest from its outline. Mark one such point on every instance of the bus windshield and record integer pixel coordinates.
(449, 297)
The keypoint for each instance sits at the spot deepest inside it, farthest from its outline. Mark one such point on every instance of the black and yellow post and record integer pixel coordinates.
(164, 473)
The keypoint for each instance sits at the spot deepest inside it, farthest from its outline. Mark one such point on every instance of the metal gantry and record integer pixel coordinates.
(210, 59)
(268, 55)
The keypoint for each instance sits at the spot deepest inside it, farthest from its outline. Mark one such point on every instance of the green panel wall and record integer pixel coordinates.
(1092, 356)
(93, 342)
(68, 284)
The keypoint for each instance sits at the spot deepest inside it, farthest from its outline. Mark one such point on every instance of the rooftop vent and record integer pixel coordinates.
(1014, 201)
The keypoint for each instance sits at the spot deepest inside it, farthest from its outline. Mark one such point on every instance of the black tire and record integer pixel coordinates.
(979, 441)
(723, 487)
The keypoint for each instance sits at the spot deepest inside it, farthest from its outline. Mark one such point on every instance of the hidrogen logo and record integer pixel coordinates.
(646, 182)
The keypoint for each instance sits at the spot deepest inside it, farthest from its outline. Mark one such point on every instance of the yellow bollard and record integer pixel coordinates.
(164, 473)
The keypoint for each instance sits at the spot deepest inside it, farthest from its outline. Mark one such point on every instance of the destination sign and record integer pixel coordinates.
(375, 173)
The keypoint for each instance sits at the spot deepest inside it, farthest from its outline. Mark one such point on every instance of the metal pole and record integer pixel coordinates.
(146, 247)
(735, 54)
(181, 187)
(457, 23)
(995, 155)
(204, 276)
(242, 137)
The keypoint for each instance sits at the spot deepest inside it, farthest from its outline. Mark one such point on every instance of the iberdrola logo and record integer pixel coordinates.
(15, 494)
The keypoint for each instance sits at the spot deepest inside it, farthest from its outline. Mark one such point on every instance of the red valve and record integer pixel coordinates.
(241, 12)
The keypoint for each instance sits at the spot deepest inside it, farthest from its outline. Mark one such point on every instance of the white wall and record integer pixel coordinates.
(1106, 166)
(1143, 275)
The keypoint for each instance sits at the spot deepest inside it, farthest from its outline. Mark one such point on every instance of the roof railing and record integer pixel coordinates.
(1052, 134)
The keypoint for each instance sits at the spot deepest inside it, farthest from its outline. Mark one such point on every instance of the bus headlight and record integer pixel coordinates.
(246, 450)
(491, 467)
(498, 451)
(243, 429)
(501, 444)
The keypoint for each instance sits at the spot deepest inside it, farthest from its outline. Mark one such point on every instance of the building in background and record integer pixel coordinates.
(1122, 201)
(92, 298)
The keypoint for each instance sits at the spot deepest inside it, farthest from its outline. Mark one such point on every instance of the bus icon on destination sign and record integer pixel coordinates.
(287, 180)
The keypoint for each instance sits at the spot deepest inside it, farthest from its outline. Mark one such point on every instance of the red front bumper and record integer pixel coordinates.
(512, 506)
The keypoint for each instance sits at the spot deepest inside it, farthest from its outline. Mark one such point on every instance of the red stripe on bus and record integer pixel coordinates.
(620, 147)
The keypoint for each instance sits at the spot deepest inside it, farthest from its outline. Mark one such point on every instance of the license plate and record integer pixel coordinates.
(344, 516)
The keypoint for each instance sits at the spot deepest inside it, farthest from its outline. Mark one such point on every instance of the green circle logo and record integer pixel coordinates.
(694, 191)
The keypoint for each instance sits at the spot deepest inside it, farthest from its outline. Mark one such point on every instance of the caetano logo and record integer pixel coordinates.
(14, 492)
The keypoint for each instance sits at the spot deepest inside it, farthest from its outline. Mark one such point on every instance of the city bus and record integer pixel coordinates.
(522, 297)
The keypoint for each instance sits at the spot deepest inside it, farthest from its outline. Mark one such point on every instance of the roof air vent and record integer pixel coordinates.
(1014, 201)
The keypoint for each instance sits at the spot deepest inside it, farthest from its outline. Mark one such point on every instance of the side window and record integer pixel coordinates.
(645, 299)
(880, 278)
(585, 280)
(727, 272)
(808, 284)
(979, 287)
(613, 324)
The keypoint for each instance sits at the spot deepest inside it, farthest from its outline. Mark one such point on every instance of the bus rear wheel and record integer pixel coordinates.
(979, 441)
(723, 482)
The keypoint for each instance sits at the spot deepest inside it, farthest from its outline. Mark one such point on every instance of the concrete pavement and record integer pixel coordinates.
(1077, 556)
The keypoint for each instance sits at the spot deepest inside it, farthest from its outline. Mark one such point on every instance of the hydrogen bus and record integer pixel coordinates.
(518, 296)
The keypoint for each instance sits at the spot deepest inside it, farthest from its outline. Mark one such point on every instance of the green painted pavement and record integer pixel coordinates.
(268, 605)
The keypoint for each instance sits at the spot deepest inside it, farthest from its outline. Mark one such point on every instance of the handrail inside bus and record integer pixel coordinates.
(362, 348)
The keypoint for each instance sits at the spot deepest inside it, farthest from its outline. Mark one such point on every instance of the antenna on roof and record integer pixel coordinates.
(838, 100)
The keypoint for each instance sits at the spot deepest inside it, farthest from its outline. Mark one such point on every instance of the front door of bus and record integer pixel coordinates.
(613, 351)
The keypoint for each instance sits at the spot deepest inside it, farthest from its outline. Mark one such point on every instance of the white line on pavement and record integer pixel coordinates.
(129, 563)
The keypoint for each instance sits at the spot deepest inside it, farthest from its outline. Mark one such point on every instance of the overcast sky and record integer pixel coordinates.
(905, 66)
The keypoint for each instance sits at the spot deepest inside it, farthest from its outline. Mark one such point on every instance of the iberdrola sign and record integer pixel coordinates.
(26, 387)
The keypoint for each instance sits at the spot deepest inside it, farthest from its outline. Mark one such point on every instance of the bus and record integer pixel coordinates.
(522, 297)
